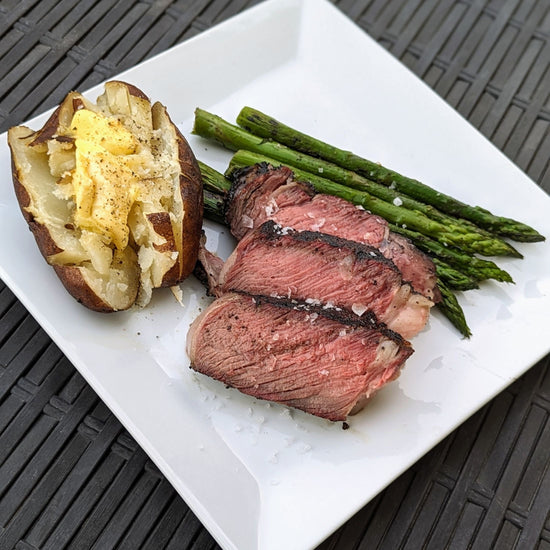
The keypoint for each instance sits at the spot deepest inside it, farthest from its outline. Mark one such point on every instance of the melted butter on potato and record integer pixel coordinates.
(107, 132)
(105, 186)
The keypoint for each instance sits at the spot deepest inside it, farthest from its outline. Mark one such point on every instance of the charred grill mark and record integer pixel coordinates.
(241, 177)
(307, 185)
(367, 320)
(271, 231)
(238, 178)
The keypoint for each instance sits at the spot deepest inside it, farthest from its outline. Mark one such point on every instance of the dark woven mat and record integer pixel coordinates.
(71, 477)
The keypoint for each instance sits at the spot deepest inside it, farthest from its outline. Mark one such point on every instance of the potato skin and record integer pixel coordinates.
(46, 244)
(77, 286)
(192, 197)
(183, 239)
(132, 90)
(72, 102)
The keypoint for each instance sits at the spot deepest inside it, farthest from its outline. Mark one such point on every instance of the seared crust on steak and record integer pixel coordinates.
(273, 231)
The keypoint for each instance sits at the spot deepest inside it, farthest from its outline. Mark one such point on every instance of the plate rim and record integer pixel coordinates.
(196, 505)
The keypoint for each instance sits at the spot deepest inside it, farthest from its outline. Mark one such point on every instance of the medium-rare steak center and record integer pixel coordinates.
(318, 268)
(261, 192)
(297, 355)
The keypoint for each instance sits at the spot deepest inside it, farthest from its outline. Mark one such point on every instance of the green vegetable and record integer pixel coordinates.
(478, 269)
(213, 206)
(212, 180)
(450, 307)
(453, 278)
(267, 127)
(446, 234)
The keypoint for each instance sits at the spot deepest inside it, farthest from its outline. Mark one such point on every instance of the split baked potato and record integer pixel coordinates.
(113, 195)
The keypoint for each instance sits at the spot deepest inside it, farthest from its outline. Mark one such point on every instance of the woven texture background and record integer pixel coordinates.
(71, 477)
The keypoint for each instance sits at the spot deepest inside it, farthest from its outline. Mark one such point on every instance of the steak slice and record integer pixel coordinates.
(318, 268)
(261, 192)
(301, 356)
(208, 267)
(255, 189)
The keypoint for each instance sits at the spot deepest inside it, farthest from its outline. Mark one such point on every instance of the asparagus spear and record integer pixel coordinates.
(471, 267)
(267, 127)
(215, 186)
(477, 268)
(214, 127)
(450, 307)
(212, 180)
(453, 278)
(213, 206)
(387, 194)
(446, 234)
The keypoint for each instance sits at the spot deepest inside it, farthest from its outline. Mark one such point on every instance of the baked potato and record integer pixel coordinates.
(113, 195)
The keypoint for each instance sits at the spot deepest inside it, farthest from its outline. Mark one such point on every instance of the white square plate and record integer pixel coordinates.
(256, 474)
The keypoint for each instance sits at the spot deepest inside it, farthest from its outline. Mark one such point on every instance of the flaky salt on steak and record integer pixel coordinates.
(262, 192)
(317, 268)
(322, 362)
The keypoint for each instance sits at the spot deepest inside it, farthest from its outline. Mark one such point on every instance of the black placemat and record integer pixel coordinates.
(71, 477)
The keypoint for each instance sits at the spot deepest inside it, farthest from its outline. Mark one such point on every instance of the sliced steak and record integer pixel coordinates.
(253, 189)
(295, 355)
(261, 192)
(208, 267)
(318, 268)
